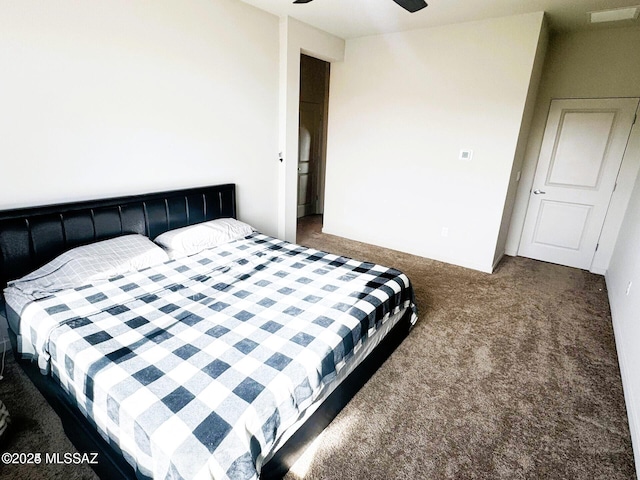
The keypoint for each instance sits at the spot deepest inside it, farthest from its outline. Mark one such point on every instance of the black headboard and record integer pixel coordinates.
(30, 237)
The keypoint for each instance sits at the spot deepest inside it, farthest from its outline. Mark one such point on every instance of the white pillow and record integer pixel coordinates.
(89, 263)
(192, 239)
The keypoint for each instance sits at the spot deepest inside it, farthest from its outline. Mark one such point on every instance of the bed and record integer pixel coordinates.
(214, 361)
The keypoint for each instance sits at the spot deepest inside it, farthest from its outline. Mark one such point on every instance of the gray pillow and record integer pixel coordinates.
(90, 263)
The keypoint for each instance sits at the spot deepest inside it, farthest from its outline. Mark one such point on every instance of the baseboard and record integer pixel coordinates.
(511, 252)
(633, 415)
(634, 427)
(485, 267)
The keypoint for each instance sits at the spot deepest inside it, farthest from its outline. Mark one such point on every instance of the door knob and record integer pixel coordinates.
(539, 192)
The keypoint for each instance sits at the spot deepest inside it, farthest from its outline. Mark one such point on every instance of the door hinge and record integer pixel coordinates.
(615, 185)
(597, 245)
(635, 117)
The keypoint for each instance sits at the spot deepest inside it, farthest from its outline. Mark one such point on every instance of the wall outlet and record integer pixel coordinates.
(466, 155)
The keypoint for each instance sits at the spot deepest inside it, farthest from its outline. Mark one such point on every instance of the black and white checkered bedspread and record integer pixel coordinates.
(195, 367)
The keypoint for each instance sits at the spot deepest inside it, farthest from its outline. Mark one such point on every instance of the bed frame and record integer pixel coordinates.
(30, 237)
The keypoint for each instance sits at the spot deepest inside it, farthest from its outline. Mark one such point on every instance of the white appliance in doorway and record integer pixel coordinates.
(312, 134)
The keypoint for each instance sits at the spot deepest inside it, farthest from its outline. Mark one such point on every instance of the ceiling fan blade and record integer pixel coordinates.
(411, 5)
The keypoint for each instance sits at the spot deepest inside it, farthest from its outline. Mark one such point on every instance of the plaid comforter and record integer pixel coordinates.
(195, 367)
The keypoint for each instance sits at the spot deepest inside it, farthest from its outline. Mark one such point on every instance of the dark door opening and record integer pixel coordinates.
(312, 134)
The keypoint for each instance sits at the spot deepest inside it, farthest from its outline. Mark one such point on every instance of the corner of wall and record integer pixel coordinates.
(504, 243)
(295, 38)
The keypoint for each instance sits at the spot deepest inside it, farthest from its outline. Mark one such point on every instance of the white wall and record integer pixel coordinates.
(401, 107)
(516, 169)
(625, 306)
(113, 97)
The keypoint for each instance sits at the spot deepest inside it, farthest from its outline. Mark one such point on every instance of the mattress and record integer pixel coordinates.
(201, 367)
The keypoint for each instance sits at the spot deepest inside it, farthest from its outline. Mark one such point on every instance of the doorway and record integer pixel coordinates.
(312, 134)
(582, 149)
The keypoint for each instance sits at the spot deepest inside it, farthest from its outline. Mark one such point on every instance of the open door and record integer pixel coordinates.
(314, 95)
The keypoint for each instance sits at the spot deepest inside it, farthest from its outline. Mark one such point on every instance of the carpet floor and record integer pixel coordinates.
(512, 375)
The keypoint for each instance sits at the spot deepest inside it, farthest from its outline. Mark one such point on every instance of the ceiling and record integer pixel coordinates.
(357, 18)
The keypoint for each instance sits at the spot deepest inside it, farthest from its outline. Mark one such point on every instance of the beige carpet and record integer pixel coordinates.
(506, 376)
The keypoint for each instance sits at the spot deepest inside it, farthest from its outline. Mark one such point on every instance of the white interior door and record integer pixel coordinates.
(582, 148)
